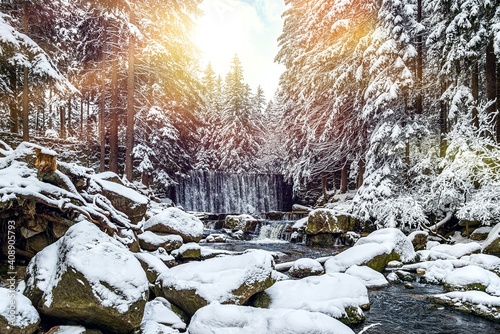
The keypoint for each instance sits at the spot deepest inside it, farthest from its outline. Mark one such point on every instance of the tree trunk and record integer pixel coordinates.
(498, 102)
(475, 92)
(443, 125)
(62, 121)
(81, 117)
(129, 140)
(419, 99)
(324, 186)
(26, 134)
(69, 128)
(490, 77)
(343, 178)
(361, 172)
(113, 125)
(14, 111)
(102, 105)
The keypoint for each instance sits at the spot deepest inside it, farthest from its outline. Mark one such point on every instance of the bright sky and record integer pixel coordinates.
(249, 28)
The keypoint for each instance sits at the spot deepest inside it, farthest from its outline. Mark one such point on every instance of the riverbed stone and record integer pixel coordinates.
(227, 280)
(325, 226)
(481, 233)
(306, 267)
(492, 243)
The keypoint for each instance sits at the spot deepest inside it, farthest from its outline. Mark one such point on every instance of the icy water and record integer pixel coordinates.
(395, 309)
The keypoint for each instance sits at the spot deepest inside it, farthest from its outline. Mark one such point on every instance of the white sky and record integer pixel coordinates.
(249, 28)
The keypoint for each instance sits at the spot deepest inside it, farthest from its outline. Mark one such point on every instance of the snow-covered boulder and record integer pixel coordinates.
(176, 221)
(369, 277)
(476, 302)
(394, 240)
(151, 241)
(473, 278)
(227, 279)
(25, 318)
(418, 239)
(375, 256)
(306, 267)
(243, 222)
(492, 243)
(187, 252)
(152, 265)
(163, 255)
(481, 233)
(486, 261)
(340, 296)
(88, 278)
(215, 237)
(216, 319)
(458, 250)
(159, 311)
(68, 330)
(435, 271)
(124, 199)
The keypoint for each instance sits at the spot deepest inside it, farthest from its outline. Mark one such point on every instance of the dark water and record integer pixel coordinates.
(396, 309)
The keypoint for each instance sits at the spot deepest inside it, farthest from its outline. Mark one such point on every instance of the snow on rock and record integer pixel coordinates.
(486, 261)
(88, 278)
(216, 319)
(24, 320)
(473, 278)
(176, 221)
(430, 255)
(436, 271)
(340, 296)
(492, 243)
(151, 265)
(163, 255)
(160, 311)
(458, 250)
(369, 277)
(189, 251)
(227, 279)
(306, 267)
(152, 327)
(151, 241)
(418, 239)
(475, 302)
(375, 256)
(481, 233)
(394, 240)
(124, 199)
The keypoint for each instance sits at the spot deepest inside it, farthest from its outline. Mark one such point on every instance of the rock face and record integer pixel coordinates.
(126, 200)
(340, 296)
(216, 318)
(324, 226)
(25, 319)
(492, 244)
(88, 278)
(176, 221)
(228, 280)
(418, 239)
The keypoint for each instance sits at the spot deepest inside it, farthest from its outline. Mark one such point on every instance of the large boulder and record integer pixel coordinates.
(473, 277)
(394, 240)
(151, 241)
(324, 226)
(124, 199)
(160, 312)
(216, 318)
(88, 278)
(492, 243)
(227, 279)
(22, 318)
(419, 239)
(339, 296)
(375, 256)
(306, 267)
(176, 221)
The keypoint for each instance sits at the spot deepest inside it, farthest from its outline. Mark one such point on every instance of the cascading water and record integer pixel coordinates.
(273, 230)
(219, 192)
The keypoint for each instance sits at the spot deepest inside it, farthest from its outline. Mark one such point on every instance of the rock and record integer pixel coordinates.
(408, 285)
(228, 280)
(246, 223)
(458, 250)
(90, 279)
(176, 221)
(369, 277)
(473, 278)
(306, 267)
(492, 244)
(152, 265)
(160, 311)
(475, 302)
(481, 233)
(187, 252)
(124, 199)
(166, 258)
(72, 330)
(394, 240)
(375, 256)
(152, 327)
(339, 296)
(324, 226)
(217, 318)
(151, 241)
(470, 223)
(212, 238)
(418, 239)
(37, 243)
(22, 319)
(109, 176)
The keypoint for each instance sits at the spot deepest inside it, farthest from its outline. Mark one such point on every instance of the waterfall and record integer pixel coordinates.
(220, 192)
(275, 230)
